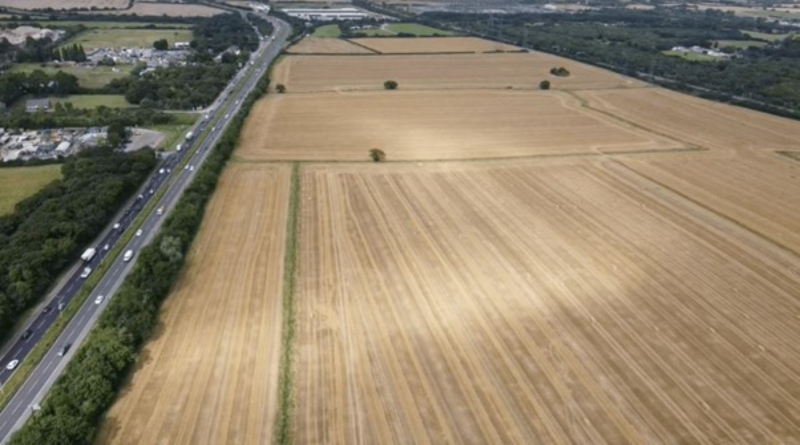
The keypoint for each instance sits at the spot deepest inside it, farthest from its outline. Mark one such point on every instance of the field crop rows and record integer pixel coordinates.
(420, 125)
(561, 303)
(211, 377)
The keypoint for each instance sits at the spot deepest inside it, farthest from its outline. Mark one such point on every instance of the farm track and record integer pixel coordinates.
(210, 375)
(497, 323)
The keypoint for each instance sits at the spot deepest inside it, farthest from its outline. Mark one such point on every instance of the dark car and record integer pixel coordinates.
(64, 349)
(26, 335)
(47, 309)
(61, 305)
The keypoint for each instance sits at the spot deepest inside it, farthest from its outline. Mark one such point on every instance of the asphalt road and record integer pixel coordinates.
(50, 367)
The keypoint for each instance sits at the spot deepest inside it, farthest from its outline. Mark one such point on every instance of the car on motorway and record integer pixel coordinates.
(191, 168)
(160, 210)
(161, 171)
(117, 226)
(99, 299)
(27, 334)
(227, 116)
(128, 255)
(107, 246)
(64, 349)
(86, 272)
(139, 232)
(12, 365)
(47, 309)
(61, 305)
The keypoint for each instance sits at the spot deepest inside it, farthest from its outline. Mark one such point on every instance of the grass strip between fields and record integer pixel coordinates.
(284, 431)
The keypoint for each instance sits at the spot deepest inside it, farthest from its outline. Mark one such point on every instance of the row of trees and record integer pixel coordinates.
(74, 53)
(263, 25)
(66, 115)
(14, 85)
(71, 412)
(47, 230)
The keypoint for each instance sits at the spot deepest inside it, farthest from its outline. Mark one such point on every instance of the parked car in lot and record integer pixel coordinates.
(12, 365)
(99, 299)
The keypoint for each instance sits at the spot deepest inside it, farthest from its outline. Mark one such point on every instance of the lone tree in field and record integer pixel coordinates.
(377, 155)
(390, 85)
(544, 85)
(280, 88)
(560, 71)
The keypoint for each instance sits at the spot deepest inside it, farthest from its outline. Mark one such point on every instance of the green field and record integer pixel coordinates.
(89, 77)
(111, 25)
(128, 38)
(327, 31)
(688, 55)
(94, 100)
(407, 28)
(17, 183)
(741, 43)
(764, 36)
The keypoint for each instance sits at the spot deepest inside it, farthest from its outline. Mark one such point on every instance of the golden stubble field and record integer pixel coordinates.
(433, 45)
(319, 45)
(454, 71)
(424, 125)
(561, 302)
(209, 375)
(64, 4)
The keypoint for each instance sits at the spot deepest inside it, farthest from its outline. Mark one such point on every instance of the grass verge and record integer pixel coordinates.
(284, 432)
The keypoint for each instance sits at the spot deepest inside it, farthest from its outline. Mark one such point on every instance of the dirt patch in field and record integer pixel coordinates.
(330, 73)
(210, 374)
(701, 122)
(434, 45)
(317, 45)
(415, 125)
(567, 302)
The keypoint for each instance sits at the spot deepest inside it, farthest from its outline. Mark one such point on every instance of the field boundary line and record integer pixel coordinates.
(584, 102)
(284, 428)
(786, 249)
(371, 50)
(542, 156)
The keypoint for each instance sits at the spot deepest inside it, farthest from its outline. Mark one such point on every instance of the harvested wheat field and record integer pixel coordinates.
(169, 10)
(698, 121)
(64, 4)
(417, 125)
(210, 375)
(556, 302)
(434, 45)
(756, 189)
(318, 45)
(519, 70)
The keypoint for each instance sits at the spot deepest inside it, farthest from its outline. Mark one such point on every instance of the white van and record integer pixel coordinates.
(128, 255)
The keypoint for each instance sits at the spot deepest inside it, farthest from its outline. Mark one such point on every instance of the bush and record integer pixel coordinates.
(560, 72)
(390, 85)
(280, 88)
(544, 85)
(377, 155)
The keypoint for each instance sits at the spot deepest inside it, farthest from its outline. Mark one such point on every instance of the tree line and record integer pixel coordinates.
(47, 231)
(14, 85)
(631, 42)
(72, 411)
